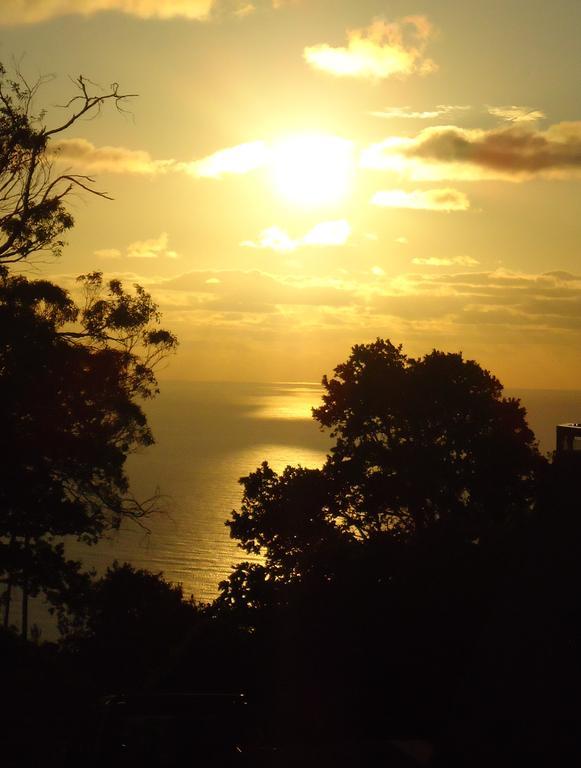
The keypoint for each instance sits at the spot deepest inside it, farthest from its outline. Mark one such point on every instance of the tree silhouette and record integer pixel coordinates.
(423, 442)
(421, 445)
(70, 380)
(33, 216)
(71, 374)
(380, 569)
(125, 623)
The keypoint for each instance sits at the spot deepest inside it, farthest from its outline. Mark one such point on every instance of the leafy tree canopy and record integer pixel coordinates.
(125, 606)
(424, 440)
(424, 446)
(71, 376)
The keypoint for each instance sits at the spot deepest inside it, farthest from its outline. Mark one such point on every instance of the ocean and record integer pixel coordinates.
(208, 435)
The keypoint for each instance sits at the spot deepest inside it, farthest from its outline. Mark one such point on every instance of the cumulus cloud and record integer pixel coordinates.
(325, 233)
(510, 150)
(516, 114)
(13, 12)
(232, 160)
(449, 152)
(426, 200)
(390, 113)
(154, 248)
(382, 50)
(85, 157)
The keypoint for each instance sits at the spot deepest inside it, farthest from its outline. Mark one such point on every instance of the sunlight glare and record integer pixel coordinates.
(312, 170)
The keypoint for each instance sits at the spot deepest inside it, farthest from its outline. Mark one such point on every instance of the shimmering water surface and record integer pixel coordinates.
(208, 435)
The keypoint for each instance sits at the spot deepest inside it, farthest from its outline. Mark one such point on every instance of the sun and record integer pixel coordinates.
(312, 170)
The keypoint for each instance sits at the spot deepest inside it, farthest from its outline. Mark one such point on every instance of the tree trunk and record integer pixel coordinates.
(25, 610)
(25, 596)
(7, 597)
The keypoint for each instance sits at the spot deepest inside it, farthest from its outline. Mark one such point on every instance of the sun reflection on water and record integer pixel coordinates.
(290, 401)
(279, 456)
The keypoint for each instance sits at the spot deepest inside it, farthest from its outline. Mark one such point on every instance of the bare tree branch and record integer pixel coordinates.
(33, 216)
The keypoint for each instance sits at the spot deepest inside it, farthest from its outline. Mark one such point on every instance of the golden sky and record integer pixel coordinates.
(297, 176)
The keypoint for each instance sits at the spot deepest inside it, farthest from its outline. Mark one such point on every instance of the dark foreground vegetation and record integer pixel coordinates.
(418, 596)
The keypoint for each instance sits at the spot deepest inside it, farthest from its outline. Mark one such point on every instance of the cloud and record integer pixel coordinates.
(448, 152)
(511, 150)
(516, 114)
(505, 319)
(458, 305)
(274, 239)
(390, 113)
(491, 315)
(251, 292)
(517, 305)
(17, 12)
(439, 153)
(429, 200)
(236, 160)
(151, 249)
(433, 261)
(326, 233)
(245, 9)
(108, 253)
(85, 157)
(13, 12)
(382, 50)
(154, 248)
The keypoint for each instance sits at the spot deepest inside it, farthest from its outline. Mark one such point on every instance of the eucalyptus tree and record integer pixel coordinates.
(72, 379)
(73, 372)
(33, 191)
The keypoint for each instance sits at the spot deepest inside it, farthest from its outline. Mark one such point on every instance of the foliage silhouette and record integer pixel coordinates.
(70, 380)
(422, 446)
(424, 441)
(125, 623)
(117, 630)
